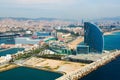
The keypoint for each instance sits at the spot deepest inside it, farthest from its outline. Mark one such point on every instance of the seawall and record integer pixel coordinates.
(78, 74)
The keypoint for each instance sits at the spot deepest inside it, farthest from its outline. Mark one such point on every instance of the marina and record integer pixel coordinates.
(60, 40)
(24, 73)
(71, 75)
(10, 51)
(7, 40)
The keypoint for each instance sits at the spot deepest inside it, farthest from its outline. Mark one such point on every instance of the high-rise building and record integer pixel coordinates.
(93, 37)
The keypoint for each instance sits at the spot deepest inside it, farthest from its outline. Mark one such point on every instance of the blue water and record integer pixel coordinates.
(7, 40)
(1, 48)
(112, 41)
(23, 73)
(10, 51)
(110, 71)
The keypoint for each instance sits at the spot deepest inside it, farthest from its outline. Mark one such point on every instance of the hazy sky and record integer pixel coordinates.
(66, 9)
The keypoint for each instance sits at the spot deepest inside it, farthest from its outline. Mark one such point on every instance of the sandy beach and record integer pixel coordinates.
(73, 44)
(7, 67)
(53, 65)
(109, 33)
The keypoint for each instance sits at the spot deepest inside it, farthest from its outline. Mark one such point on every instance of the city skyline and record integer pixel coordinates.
(63, 9)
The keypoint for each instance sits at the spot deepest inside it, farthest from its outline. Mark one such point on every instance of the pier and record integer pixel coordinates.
(78, 74)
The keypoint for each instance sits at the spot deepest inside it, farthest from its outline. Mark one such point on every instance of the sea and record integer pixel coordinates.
(112, 41)
(110, 71)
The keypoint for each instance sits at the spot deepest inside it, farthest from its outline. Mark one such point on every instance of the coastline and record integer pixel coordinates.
(81, 39)
(8, 67)
(5, 49)
(11, 66)
(111, 32)
(77, 41)
(44, 69)
(63, 67)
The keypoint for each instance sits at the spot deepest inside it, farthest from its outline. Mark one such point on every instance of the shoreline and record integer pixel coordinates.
(8, 67)
(5, 49)
(43, 69)
(12, 66)
(61, 67)
(111, 32)
(48, 65)
(81, 39)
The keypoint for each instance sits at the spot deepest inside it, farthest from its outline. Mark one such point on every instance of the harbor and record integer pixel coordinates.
(73, 68)
(25, 73)
(64, 67)
(73, 73)
(60, 40)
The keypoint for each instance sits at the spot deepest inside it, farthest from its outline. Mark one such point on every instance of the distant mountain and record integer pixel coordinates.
(14, 18)
(47, 19)
(35, 19)
(22, 18)
(108, 19)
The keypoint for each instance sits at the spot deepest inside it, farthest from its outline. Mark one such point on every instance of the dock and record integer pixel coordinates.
(78, 74)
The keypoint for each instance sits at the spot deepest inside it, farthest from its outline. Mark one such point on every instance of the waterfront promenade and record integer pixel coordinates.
(78, 74)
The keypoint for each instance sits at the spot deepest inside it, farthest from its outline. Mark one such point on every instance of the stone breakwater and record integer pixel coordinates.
(78, 74)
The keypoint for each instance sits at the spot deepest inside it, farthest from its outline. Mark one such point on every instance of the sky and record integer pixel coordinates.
(64, 9)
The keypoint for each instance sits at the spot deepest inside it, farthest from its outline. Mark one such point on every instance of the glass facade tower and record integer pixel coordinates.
(93, 37)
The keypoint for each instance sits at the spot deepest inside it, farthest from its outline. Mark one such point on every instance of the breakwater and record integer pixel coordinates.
(78, 74)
